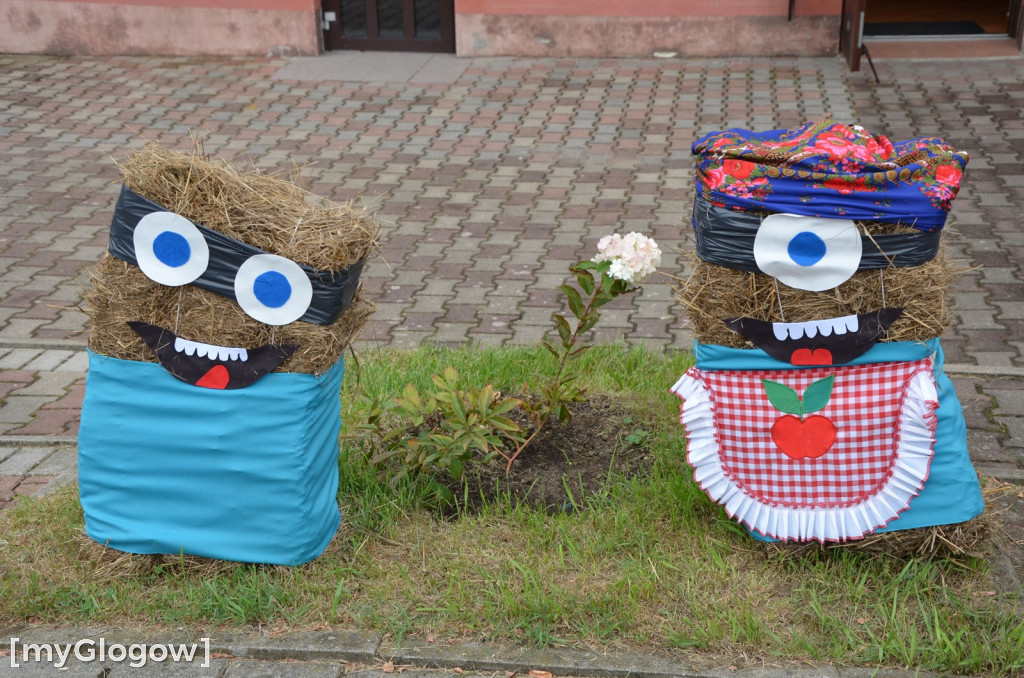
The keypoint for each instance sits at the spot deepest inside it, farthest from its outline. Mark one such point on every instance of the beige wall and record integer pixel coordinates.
(167, 27)
(605, 28)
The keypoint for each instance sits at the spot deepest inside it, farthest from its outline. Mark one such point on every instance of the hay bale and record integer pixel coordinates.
(273, 214)
(939, 541)
(714, 293)
(276, 215)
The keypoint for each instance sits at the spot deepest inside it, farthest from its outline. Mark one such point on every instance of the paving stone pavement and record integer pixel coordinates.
(492, 175)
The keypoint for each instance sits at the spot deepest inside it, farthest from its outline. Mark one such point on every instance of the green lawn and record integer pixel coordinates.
(649, 563)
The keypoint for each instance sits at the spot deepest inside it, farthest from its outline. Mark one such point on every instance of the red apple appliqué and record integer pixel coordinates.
(800, 437)
(804, 439)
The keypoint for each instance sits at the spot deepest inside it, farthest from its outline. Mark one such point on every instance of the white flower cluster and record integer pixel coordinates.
(634, 256)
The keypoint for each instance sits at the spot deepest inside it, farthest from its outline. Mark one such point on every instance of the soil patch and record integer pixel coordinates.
(566, 463)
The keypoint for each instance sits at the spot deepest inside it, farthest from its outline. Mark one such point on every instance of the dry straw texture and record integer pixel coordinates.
(715, 293)
(940, 541)
(267, 212)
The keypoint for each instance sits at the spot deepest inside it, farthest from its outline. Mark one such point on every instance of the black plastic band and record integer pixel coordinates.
(726, 237)
(333, 292)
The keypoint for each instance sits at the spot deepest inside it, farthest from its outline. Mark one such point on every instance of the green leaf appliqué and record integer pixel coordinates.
(785, 399)
(817, 395)
(782, 397)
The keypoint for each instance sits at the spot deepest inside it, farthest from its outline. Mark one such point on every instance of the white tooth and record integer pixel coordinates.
(852, 324)
(780, 331)
(810, 329)
(837, 325)
(825, 328)
(209, 350)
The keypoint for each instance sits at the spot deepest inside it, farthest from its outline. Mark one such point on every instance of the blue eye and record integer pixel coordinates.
(806, 249)
(170, 249)
(272, 289)
(808, 253)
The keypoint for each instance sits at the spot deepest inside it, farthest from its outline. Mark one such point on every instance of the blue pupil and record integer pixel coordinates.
(272, 289)
(806, 248)
(172, 249)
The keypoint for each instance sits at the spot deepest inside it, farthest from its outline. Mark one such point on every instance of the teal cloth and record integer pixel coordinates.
(248, 474)
(952, 493)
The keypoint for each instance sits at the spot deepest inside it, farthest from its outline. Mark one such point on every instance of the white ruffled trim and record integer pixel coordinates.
(915, 438)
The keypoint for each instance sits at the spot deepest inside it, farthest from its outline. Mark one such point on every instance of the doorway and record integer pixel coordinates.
(939, 29)
(389, 25)
(906, 18)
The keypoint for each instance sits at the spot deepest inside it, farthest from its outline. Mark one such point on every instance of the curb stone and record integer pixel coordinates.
(314, 654)
(568, 662)
(348, 646)
(562, 662)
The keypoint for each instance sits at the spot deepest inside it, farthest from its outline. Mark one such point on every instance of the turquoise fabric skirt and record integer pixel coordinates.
(248, 474)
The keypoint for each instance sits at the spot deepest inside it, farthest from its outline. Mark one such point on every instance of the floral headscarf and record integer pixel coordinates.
(826, 169)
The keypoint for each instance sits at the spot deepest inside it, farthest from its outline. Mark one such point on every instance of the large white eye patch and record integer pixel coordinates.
(272, 289)
(170, 249)
(808, 253)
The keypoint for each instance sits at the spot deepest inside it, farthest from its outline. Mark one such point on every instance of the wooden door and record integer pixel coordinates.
(389, 25)
(851, 32)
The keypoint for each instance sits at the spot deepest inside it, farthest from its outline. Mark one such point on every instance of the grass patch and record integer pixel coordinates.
(648, 563)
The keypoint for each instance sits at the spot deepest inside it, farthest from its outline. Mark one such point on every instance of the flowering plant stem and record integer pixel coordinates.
(600, 287)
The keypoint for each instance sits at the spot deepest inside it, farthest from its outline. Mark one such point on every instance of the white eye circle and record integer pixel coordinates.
(272, 289)
(170, 249)
(808, 253)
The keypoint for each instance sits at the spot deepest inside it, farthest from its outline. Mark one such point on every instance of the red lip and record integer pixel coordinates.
(811, 357)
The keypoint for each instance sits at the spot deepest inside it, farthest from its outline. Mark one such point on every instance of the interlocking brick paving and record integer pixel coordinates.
(490, 184)
(11, 487)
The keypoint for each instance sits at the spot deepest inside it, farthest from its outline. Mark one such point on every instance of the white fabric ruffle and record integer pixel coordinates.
(915, 436)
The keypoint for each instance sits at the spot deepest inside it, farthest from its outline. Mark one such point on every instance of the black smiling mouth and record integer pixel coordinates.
(835, 341)
(207, 365)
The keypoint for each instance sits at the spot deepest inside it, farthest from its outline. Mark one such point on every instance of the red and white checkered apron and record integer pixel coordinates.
(865, 406)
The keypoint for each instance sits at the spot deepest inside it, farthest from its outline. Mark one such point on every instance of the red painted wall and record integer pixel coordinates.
(160, 27)
(649, 8)
(615, 28)
(637, 28)
(283, 5)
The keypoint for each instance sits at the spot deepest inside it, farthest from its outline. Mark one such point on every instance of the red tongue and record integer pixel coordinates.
(805, 356)
(217, 377)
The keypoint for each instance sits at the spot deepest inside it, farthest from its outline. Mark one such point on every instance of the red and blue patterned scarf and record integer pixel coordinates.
(826, 169)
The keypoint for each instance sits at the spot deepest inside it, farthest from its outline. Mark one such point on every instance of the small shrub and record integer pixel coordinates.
(442, 429)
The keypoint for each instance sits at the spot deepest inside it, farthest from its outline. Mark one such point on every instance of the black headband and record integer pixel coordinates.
(333, 292)
(726, 237)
